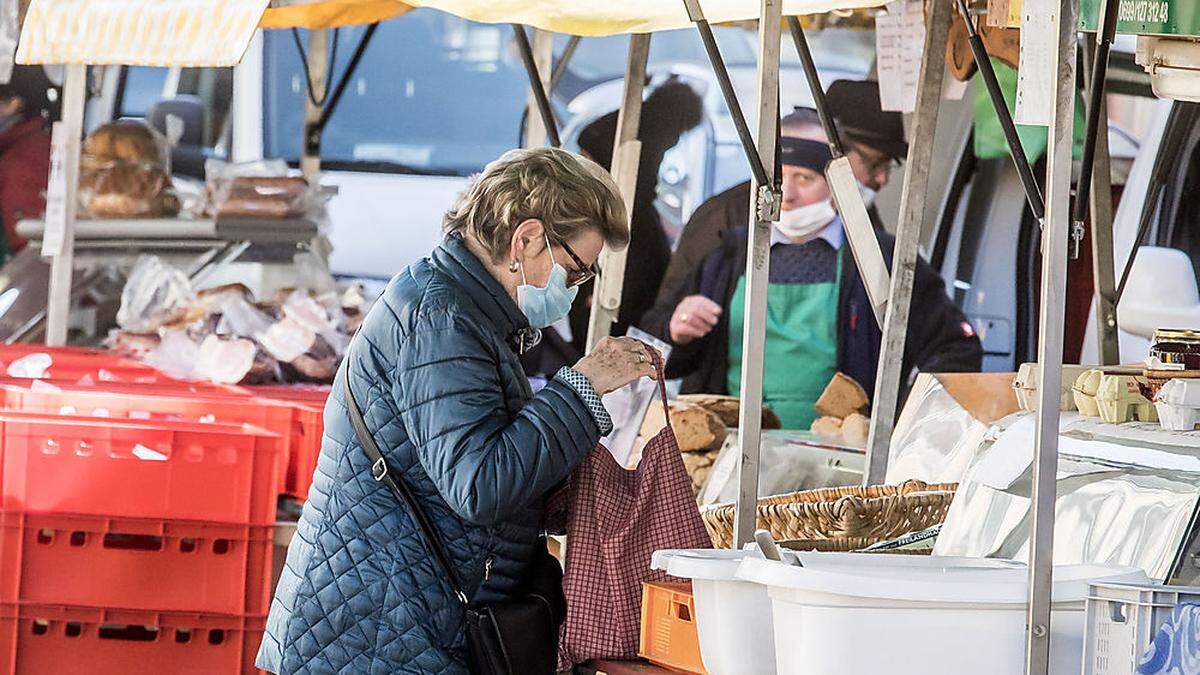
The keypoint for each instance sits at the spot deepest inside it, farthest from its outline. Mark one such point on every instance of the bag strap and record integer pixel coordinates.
(382, 474)
(660, 375)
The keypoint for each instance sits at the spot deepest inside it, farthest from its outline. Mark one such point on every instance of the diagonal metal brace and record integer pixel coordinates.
(535, 85)
(1033, 192)
(814, 85)
(1104, 38)
(696, 15)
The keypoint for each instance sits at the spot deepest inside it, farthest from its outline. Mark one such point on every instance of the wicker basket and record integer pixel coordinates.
(846, 545)
(857, 514)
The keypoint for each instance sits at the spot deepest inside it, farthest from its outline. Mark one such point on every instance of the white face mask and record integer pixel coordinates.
(806, 220)
(868, 194)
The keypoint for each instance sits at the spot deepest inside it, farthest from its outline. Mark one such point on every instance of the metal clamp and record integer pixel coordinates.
(379, 470)
(769, 203)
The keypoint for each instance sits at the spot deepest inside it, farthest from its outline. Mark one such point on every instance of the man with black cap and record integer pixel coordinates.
(819, 315)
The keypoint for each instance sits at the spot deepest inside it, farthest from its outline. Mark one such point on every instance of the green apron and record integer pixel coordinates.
(800, 357)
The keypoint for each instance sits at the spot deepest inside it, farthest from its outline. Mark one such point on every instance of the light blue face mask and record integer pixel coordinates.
(546, 304)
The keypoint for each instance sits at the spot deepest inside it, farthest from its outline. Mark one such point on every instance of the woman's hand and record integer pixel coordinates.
(616, 362)
(694, 318)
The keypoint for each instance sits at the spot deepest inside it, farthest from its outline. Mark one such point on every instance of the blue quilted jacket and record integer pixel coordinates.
(436, 375)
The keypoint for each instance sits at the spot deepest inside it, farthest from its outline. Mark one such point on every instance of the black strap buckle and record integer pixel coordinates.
(379, 470)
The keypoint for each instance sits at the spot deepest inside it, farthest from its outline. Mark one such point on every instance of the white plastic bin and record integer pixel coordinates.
(906, 615)
(1122, 622)
(733, 616)
(1178, 404)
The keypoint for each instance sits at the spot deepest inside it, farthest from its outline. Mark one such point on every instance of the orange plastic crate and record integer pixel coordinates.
(669, 636)
(158, 402)
(139, 469)
(57, 559)
(41, 639)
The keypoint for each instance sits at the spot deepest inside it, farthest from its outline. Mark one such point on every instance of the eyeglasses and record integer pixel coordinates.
(873, 160)
(583, 272)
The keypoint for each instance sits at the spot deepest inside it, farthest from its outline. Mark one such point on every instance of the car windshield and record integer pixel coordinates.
(433, 94)
(436, 94)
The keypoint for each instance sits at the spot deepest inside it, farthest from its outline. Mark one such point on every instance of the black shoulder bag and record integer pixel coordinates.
(514, 637)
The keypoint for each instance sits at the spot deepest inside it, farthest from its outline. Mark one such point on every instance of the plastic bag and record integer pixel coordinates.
(154, 290)
(262, 189)
(125, 171)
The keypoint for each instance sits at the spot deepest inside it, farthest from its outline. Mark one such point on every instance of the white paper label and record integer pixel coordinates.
(1039, 62)
(56, 195)
(899, 43)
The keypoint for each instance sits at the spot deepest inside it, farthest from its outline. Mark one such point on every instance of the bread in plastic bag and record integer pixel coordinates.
(125, 172)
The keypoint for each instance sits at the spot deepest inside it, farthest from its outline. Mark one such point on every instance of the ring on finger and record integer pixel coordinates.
(684, 317)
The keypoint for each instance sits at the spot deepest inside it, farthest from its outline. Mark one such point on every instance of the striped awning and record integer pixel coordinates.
(193, 33)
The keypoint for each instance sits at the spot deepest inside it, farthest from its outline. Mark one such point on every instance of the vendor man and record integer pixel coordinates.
(819, 318)
(874, 144)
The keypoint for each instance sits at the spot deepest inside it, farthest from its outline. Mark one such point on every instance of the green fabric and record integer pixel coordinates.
(800, 356)
(989, 137)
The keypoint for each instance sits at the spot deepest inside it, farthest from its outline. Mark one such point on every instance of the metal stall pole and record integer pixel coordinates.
(1055, 236)
(58, 241)
(317, 71)
(537, 58)
(764, 214)
(564, 63)
(914, 205)
(627, 153)
(1095, 187)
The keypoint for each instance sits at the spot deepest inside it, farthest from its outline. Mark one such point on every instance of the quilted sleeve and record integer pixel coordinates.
(486, 464)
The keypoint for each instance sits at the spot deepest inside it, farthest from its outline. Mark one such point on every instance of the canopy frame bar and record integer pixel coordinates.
(536, 86)
(1055, 237)
(1101, 203)
(758, 168)
(626, 158)
(814, 85)
(66, 152)
(1033, 191)
(312, 135)
(914, 206)
(564, 62)
(764, 213)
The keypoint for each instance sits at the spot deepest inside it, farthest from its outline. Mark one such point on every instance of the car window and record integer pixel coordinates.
(141, 87)
(434, 94)
(598, 59)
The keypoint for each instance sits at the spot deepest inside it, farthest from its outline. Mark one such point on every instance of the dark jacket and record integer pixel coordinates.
(24, 170)
(939, 338)
(439, 384)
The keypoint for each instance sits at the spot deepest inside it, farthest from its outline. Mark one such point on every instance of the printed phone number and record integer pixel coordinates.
(1145, 11)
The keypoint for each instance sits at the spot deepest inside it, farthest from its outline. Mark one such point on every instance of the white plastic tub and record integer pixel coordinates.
(1178, 404)
(733, 616)
(907, 615)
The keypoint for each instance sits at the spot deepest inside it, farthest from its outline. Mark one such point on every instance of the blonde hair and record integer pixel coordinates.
(567, 193)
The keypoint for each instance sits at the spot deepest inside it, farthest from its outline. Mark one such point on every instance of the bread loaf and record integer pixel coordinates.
(696, 429)
(830, 427)
(728, 408)
(855, 430)
(842, 397)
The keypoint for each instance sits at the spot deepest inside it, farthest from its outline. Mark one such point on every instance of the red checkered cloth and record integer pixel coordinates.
(616, 519)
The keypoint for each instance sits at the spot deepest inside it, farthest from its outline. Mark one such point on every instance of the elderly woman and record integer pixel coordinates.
(435, 372)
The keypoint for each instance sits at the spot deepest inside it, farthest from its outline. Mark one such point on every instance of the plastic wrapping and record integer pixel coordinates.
(153, 290)
(935, 439)
(125, 172)
(262, 189)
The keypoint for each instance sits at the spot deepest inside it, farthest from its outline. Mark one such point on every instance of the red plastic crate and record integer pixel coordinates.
(305, 449)
(100, 367)
(138, 402)
(39, 640)
(56, 559)
(139, 469)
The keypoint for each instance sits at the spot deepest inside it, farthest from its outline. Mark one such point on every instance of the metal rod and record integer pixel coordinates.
(1033, 191)
(318, 73)
(758, 261)
(1055, 237)
(67, 150)
(1166, 158)
(1104, 37)
(627, 153)
(814, 85)
(915, 205)
(351, 67)
(1105, 321)
(564, 61)
(536, 86)
(757, 166)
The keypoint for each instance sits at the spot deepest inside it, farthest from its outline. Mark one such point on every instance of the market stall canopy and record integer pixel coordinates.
(595, 17)
(183, 33)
